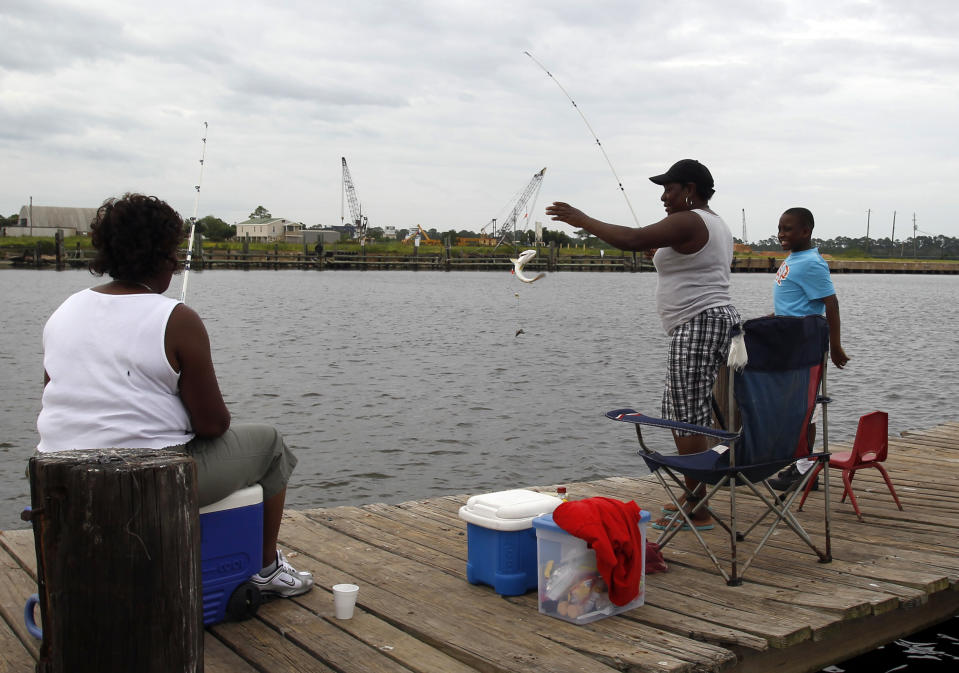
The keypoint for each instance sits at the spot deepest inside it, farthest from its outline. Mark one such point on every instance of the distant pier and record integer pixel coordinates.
(436, 258)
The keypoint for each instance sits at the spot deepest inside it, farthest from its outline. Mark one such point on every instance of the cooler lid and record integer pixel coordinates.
(251, 495)
(507, 510)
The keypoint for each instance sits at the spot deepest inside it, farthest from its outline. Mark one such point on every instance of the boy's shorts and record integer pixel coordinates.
(697, 348)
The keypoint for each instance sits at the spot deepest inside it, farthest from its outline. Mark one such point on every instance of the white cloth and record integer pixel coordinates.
(111, 385)
(689, 284)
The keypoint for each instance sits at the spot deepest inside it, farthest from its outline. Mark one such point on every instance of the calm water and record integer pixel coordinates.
(392, 386)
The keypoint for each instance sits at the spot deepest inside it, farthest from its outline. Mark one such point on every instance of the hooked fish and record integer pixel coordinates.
(520, 262)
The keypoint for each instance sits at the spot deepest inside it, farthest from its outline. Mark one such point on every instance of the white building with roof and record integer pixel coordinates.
(46, 220)
(268, 230)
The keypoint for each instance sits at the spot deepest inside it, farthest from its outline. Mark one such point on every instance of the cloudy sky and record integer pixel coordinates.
(843, 106)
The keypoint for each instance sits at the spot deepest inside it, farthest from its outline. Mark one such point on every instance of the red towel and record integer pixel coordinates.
(610, 527)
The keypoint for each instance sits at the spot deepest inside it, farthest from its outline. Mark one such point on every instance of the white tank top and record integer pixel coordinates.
(111, 385)
(689, 284)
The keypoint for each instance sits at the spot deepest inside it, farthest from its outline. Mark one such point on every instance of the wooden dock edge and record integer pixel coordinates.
(854, 638)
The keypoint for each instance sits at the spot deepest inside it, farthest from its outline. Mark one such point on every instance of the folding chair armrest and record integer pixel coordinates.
(633, 416)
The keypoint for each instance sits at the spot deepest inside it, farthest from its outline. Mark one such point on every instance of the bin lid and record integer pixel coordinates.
(507, 510)
(546, 522)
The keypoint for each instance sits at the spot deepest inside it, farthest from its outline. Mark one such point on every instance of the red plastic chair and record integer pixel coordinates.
(868, 450)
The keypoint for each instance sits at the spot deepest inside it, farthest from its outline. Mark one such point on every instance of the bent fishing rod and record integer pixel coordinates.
(592, 132)
(196, 205)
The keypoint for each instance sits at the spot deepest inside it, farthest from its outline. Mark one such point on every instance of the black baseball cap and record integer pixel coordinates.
(684, 171)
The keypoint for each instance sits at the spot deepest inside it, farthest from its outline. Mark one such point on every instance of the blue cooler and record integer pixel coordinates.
(231, 549)
(501, 540)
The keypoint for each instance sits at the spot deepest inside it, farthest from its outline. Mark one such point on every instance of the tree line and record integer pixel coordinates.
(923, 246)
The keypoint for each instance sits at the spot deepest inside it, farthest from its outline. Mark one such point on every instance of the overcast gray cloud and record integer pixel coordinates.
(839, 106)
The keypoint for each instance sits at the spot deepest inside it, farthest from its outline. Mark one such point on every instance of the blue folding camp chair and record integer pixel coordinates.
(776, 393)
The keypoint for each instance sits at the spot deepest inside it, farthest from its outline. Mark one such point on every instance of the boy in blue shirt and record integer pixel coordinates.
(803, 287)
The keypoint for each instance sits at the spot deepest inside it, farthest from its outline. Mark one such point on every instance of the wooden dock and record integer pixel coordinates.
(893, 574)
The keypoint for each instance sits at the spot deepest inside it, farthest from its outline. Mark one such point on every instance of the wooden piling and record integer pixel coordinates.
(58, 245)
(117, 539)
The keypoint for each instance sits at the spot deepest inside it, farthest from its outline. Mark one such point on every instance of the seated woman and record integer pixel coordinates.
(126, 367)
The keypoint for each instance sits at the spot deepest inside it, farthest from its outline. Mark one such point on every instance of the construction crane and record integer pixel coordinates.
(357, 225)
(525, 204)
(424, 237)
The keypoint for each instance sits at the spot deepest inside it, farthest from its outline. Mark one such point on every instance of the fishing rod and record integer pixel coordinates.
(196, 205)
(592, 132)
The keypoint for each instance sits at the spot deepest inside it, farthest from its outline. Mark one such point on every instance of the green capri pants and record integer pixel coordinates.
(242, 456)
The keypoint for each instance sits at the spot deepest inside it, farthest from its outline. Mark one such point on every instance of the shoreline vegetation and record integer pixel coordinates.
(75, 252)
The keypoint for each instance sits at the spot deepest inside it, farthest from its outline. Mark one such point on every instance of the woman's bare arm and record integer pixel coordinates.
(188, 350)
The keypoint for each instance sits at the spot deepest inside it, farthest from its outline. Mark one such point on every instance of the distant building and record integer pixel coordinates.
(389, 233)
(46, 220)
(314, 236)
(269, 230)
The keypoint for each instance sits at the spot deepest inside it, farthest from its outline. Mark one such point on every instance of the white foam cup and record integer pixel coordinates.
(344, 599)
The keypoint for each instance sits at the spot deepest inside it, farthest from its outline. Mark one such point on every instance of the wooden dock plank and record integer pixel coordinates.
(19, 544)
(695, 628)
(14, 657)
(391, 641)
(218, 658)
(265, 649)
(15, 587)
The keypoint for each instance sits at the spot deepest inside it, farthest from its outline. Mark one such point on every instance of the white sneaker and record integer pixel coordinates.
(285, 581)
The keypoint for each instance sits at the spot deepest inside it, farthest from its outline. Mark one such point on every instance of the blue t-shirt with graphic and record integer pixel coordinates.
(802, 283)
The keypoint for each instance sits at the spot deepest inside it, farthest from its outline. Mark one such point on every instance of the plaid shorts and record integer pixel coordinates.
(697, 348)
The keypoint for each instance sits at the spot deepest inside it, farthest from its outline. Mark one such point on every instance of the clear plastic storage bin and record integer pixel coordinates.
(570, 586)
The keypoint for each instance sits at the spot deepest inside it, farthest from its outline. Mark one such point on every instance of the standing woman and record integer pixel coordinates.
(126, 367)
(694, 250)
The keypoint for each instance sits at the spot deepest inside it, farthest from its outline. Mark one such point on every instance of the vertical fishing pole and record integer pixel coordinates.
(196, 205)
(595, 137)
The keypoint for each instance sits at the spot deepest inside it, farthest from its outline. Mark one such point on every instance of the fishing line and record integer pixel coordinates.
(196, 205)
(592, 132)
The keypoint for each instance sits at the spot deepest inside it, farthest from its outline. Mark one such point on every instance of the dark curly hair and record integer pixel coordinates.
(135, 236)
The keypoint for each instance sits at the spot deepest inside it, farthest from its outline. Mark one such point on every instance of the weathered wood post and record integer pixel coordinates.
(117, 537)
(58, 244)
(198, 251)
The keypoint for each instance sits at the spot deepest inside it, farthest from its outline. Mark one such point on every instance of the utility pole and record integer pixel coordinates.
(31, 216)
(868, 216)
(744, 226)
(893, 239)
